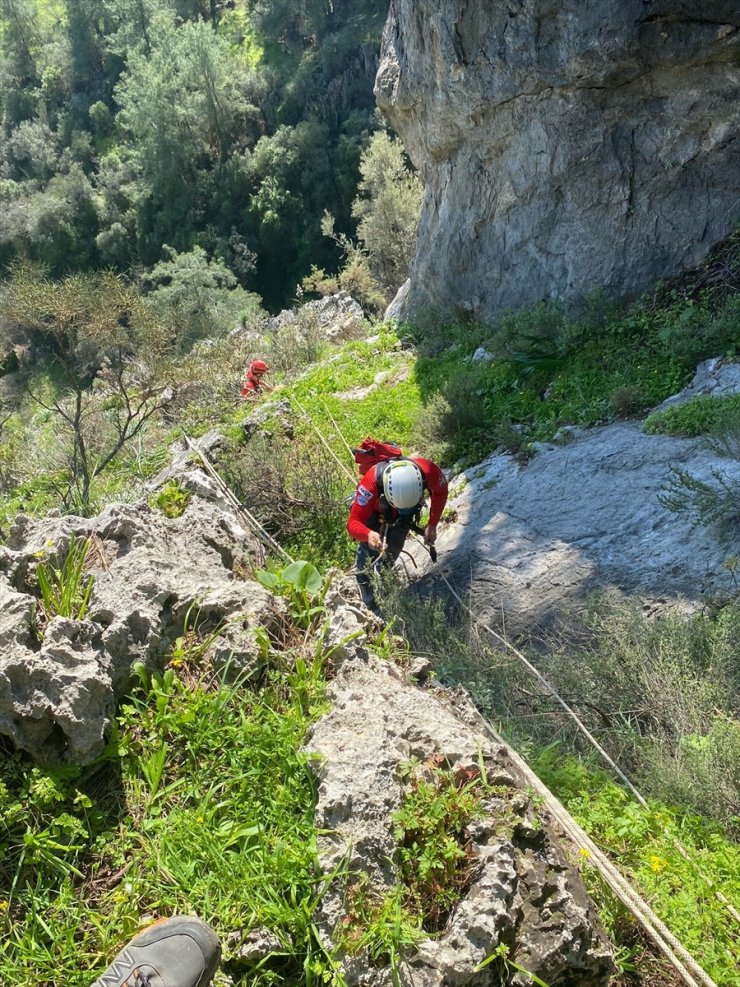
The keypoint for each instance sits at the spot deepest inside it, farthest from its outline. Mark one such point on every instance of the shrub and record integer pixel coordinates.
(171, 500)
(715, 503)
(627, 401)
(298, 343)
(706, 415)
(651, 688)
(295, 491)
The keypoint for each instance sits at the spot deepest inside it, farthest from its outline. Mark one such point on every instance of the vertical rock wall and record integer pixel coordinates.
(565, 146)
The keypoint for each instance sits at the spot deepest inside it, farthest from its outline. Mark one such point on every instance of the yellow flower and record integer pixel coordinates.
(657, 864)
(584, 852)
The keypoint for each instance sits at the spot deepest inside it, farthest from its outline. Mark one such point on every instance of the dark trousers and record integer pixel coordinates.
(395, 537)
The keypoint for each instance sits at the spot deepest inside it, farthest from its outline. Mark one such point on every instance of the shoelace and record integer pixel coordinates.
(141, 979)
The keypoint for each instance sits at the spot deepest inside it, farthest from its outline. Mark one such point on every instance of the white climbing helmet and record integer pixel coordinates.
(403, 484)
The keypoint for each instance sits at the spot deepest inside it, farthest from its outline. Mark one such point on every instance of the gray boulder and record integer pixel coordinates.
(564, 147)
(524, 894)
(531, 541)
(336, 317)
(155, 578)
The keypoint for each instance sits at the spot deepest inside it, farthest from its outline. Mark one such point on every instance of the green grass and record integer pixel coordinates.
(642, 843)
(203, 804)
(700, 416)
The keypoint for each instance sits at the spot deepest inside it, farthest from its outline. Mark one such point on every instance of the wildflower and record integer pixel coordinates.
(584, 852)
(657, 864)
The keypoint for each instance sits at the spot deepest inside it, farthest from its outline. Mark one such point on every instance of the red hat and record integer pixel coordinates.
(258, 367)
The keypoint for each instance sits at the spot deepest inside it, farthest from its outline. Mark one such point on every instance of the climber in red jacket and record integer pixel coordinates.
(387, 505)
(253, 383)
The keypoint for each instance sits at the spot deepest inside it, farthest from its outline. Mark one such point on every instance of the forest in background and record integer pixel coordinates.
(138, 131)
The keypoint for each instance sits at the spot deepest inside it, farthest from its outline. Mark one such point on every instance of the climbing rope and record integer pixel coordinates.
(579, 724)
(682, 961)
(679, 957)
(589, 736)
(248, 518)
(326, 445)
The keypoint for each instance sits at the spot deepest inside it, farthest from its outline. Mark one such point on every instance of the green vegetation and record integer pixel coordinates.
(646, 844)
(268, 169)
(263, 110)
(430, 830)
(660, 694)
(202, 802)
(435, 867)
(65, 590)
(171, 500)
(700, 416)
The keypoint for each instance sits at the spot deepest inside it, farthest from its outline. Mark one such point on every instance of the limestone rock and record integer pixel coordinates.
(338, 317)
(713, 378)
(525, 892)
(531, 541)
(56, 697)
(564, 147)
(154, 579)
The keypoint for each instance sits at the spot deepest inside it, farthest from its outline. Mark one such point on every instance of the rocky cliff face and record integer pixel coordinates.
(565, 147)
(585, 513)
(60, 682)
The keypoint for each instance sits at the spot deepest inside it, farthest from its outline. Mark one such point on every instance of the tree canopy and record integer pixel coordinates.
(132, 125)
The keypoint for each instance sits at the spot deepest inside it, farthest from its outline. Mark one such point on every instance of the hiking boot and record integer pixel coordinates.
(174, 952)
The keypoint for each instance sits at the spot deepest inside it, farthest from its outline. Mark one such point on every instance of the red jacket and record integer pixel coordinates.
(251, 384)
(366, 502)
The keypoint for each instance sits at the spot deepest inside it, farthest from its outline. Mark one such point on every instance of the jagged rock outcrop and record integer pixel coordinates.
(530, 541)
(59, 683)
(337, 317)
(524, 893)
(565, 147)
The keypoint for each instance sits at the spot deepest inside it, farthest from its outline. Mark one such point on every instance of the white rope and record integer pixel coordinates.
(686, 965)
(678, 955)
(566, 707)
(325, 443)
(250, 520)
(338, 430)
(592, 740)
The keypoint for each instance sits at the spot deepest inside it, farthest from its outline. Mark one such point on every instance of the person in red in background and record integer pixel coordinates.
(387, 505)
(253, 384)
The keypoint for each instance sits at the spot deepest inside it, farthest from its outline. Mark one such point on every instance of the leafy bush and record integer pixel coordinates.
(705, 415)
(203, 292)
(430, 830)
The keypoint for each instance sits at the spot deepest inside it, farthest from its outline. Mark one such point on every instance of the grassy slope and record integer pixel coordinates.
(203, 803)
